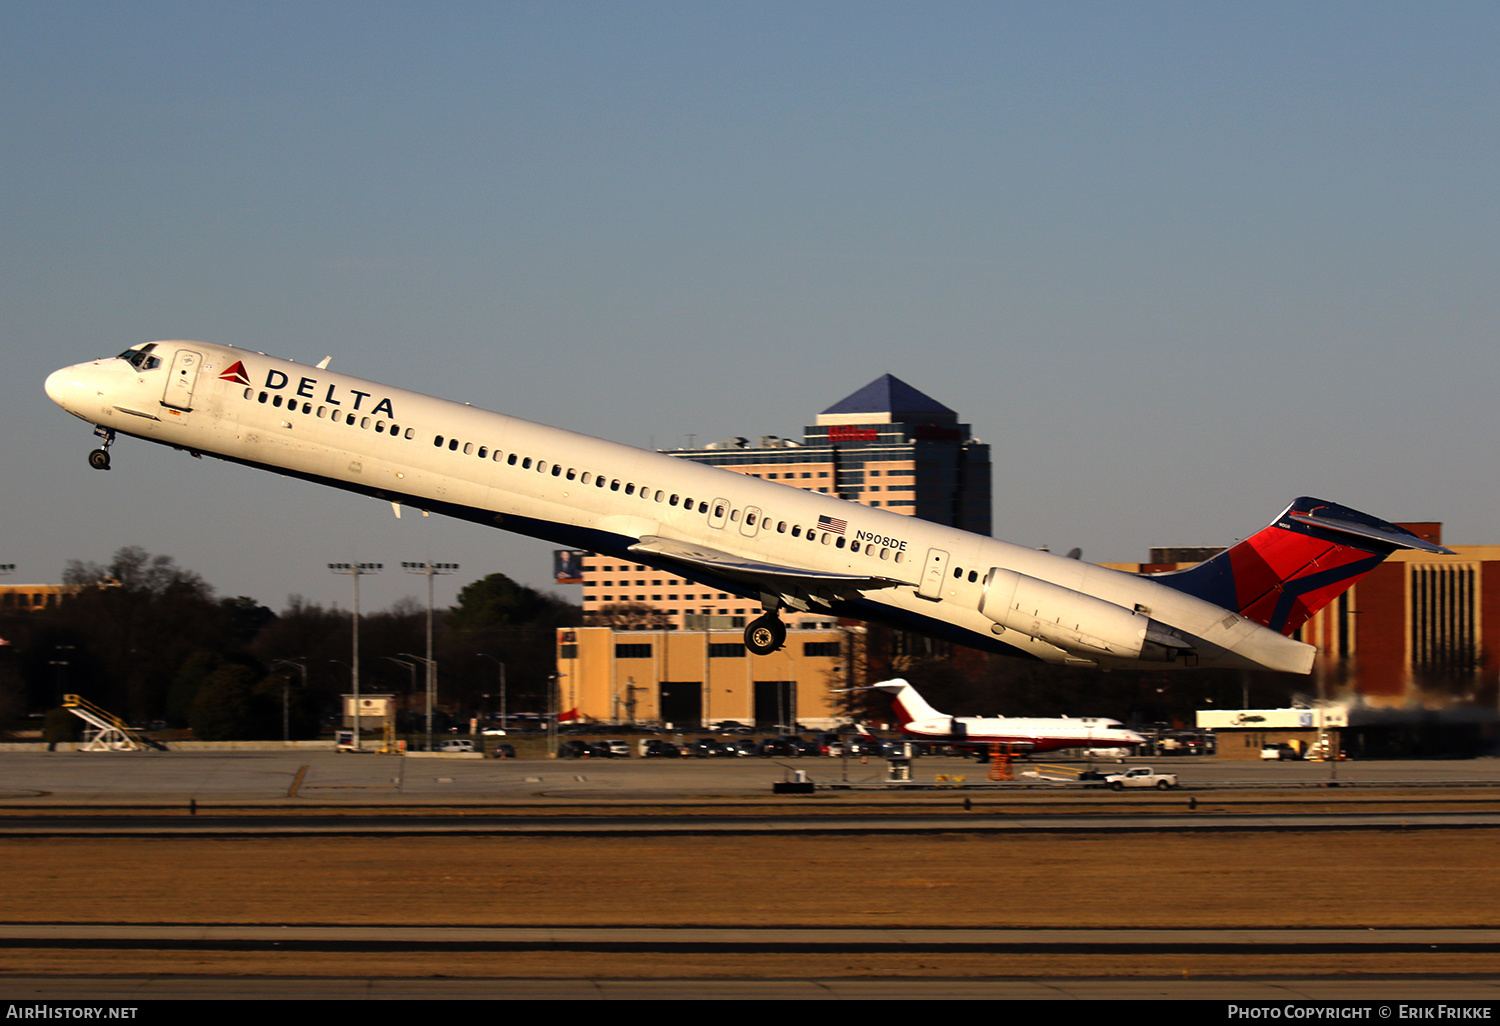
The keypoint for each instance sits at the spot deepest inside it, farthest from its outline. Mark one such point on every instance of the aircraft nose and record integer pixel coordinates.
(65, 387)
(57, 384)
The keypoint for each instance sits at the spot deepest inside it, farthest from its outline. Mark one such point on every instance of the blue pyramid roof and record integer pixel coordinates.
(888, 394)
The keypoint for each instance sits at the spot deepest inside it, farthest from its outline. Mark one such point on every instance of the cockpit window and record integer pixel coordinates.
(140, 358)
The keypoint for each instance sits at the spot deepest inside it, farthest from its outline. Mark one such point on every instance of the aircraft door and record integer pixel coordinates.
(718, 513)
(933, 574)
(750, 526)
(181, 380)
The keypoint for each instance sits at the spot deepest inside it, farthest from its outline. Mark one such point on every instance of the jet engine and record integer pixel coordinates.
(1079, 624)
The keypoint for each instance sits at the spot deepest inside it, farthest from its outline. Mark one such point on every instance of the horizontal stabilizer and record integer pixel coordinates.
(1365, 527)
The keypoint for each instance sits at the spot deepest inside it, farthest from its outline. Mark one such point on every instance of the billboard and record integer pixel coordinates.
(567, 566)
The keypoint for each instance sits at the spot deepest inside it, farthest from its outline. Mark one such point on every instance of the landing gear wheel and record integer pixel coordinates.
(99, 459)
(765, 634)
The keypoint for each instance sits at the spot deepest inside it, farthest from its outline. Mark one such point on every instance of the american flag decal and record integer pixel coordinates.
(832, 525)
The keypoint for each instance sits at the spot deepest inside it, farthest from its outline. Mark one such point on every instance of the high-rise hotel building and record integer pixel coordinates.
(887, 445)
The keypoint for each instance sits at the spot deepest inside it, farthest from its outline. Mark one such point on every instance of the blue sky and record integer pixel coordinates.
(1176, 262)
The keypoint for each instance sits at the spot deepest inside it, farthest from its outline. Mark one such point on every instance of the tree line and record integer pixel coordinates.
(149, 641)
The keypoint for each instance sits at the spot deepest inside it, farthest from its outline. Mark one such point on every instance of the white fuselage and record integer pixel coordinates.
(1034, 734)
(578, 491)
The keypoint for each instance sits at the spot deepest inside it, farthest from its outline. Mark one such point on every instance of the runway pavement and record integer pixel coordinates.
(301, 777)
(285, 791)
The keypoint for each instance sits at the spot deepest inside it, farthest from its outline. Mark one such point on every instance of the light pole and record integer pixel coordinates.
(411, 668)
(500, 664)
(286, 718)
(431, 666)
(552, 712)
(356, 570)
(430, 570)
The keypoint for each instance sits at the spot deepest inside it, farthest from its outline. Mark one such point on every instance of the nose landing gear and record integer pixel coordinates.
(99, 458)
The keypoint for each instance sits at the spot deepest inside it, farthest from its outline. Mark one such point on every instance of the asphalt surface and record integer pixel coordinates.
(91, 778)
(325, 792)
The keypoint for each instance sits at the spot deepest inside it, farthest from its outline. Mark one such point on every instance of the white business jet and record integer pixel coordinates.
(785, 547)
(1019, 734)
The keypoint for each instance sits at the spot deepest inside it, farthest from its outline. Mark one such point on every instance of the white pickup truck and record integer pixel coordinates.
(1140, 776)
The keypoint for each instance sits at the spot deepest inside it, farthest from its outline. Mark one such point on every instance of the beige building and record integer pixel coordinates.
(689, 679)
(32, 596)
(887, 446)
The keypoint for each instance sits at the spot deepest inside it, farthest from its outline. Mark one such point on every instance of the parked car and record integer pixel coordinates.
(504, 751)
(618, 749)
(574, 750)
(806, 748)
(780, 747)
(657, 748)
(1280, 750)
(455, 746)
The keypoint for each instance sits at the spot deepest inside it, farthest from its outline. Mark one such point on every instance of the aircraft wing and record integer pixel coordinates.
(795, 585)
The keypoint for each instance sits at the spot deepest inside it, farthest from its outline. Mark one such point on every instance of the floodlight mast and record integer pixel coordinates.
(431, 570)
(356, 570)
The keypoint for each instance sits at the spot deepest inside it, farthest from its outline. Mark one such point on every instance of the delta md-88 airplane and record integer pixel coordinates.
(785, 547)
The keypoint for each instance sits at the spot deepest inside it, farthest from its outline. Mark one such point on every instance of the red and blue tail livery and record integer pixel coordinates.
(1283, 574)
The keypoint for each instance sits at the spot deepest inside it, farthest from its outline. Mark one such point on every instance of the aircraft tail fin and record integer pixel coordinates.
(907, 701)
(1283, 574)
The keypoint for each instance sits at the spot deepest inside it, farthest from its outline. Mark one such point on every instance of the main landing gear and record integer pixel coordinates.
(99, 458)
(765, 634)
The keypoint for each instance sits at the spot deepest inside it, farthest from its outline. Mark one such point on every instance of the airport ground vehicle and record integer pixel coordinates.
(1140, 776)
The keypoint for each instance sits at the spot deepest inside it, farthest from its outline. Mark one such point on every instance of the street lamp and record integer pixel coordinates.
(356, 570)
(430, 570)
(286, 718)
(552, 712)
(501, 671)
(431, 666)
